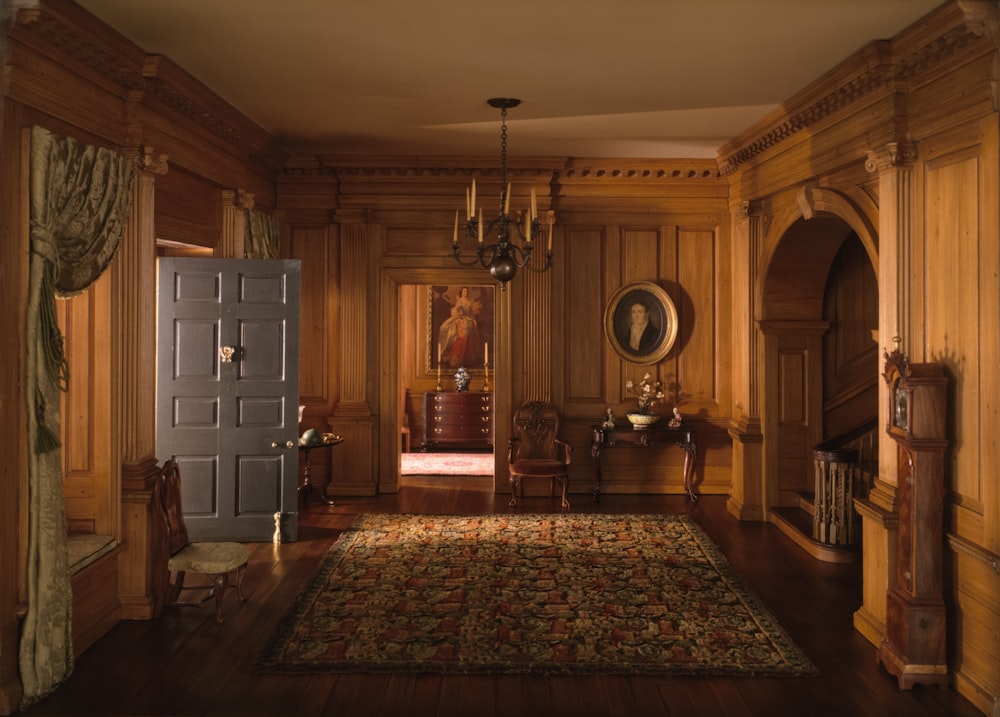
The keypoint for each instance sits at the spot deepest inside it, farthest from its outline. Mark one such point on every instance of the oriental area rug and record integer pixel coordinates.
(447, 464)
(530, 594)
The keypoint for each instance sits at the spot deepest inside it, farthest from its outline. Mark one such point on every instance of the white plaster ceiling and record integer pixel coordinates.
(597, 78)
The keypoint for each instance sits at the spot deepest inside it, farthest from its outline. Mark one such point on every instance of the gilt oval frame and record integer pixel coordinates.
(663, 314)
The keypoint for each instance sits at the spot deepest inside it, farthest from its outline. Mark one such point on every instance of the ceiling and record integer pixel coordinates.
(597, 78)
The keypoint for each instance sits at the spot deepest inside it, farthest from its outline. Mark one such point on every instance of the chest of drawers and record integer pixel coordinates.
(458, 420)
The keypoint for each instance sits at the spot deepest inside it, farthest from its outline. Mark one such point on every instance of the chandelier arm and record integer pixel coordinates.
(544, 267)
(512, 250)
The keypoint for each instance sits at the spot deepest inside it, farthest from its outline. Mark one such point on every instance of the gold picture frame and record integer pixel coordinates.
(461, 313)
(652, 340)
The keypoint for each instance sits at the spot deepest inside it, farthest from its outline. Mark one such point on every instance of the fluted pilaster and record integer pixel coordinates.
(142, 561)
(355, 323)
(894, 164)
(537, 293)
(134, 318)
(235, 202)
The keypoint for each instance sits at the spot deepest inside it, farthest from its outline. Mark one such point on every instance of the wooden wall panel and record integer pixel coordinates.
(309, 244)
(86, 407)
(188, 210)
(583, 344)
(952, 328)
(695, 297)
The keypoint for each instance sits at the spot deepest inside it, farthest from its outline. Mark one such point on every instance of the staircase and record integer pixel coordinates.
(824, 523)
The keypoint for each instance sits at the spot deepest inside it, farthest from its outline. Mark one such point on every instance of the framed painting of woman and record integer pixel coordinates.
(459, 326)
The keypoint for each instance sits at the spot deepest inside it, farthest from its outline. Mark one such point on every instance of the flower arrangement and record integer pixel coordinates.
(647, 392)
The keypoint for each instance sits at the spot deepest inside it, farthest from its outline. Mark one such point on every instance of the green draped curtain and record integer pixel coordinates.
(260, 235)
(80, 197)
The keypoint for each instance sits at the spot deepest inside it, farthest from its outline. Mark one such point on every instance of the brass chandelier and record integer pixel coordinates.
(515, 239)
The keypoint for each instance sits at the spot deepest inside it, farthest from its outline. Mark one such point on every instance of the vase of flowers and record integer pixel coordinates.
(647, 392)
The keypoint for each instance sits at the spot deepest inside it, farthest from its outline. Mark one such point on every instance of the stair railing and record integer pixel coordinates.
(843, 470)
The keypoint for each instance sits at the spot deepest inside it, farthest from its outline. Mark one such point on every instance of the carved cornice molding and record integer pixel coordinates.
(879, 77)
(140, 77)
(571, 171)
(48, 30)
(643, 172)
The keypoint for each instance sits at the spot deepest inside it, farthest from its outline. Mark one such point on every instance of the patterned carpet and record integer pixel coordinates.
(447, 464)
(530, 594)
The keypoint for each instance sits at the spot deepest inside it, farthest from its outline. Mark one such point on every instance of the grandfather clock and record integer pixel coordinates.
(914, 645)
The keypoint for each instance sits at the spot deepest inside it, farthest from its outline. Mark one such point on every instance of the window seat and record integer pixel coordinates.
(85, 548)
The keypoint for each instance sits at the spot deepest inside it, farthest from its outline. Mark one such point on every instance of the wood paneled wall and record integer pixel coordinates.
(898, 144)
(617, 223)
(929, 138)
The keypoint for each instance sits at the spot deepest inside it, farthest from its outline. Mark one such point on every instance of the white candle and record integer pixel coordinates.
(480, 225)
(534, 205)
(527, 226)
(468, 205)
(439, 353)
(550, 238)
(486, 353)
(454, 241)
(506, 200)
(472, 203)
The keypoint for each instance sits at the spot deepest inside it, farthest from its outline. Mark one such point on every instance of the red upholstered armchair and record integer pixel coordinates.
(535, 451)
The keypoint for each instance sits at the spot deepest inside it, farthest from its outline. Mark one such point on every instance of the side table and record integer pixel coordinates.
(307, 487)
(682, 437)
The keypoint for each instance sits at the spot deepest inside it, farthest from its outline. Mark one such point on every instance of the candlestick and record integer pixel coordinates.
(438, 387)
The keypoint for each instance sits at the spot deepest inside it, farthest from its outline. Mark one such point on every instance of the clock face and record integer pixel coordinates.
(900, 413)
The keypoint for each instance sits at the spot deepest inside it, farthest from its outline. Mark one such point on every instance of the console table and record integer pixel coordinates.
(654, 435)
(458, 419)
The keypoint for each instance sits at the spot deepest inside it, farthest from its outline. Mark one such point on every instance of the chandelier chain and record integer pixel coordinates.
(503, 159)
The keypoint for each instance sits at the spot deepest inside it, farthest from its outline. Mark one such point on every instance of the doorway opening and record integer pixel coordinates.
(446, 430)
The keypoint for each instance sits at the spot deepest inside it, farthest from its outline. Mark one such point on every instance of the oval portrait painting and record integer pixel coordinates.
(640, 322)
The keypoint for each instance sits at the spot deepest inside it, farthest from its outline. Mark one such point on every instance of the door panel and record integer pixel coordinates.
(227, 423)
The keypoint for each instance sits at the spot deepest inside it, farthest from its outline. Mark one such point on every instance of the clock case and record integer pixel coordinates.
(914, 645)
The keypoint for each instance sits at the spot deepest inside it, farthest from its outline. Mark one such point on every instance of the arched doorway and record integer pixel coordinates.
(818, 320)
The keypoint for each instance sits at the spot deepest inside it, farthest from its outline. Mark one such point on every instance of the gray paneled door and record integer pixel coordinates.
(227, 392)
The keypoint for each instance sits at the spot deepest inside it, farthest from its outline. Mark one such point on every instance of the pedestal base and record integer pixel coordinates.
(909, 674)
(914, 646)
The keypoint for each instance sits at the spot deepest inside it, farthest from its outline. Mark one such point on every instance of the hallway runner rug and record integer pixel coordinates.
(447, 464)
(530, 594)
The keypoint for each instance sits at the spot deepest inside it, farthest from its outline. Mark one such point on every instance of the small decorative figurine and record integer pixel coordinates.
(609, 420)
(462, 378)
(675, 421)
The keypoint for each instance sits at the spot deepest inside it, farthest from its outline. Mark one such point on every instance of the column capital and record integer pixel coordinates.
(749, 208)
(890, 155)
(238, 197)
(147, 159)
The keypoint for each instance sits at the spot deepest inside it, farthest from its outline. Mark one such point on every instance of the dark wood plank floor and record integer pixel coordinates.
(186, 664)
